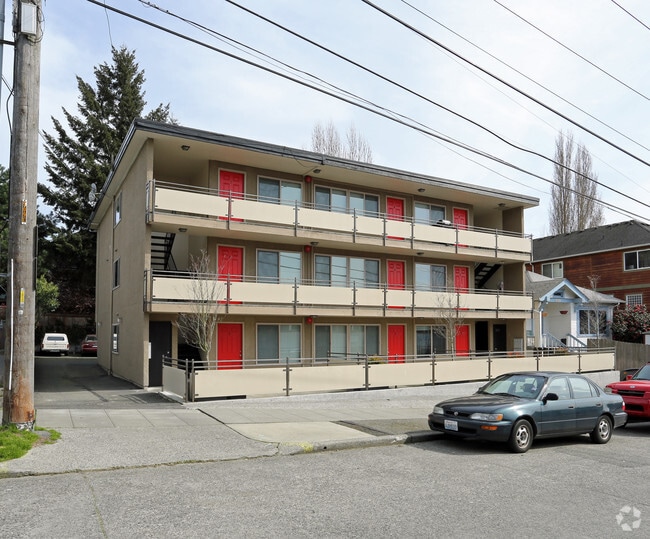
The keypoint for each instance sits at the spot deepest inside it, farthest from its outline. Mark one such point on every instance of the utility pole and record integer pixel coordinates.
(18, 397)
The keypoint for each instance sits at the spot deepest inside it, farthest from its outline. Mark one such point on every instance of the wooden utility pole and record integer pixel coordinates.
(18, 397)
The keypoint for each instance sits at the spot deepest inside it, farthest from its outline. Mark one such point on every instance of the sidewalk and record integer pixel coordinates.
(100, 438)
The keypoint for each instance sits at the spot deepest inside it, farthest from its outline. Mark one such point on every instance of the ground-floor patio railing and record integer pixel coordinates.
(191, 380)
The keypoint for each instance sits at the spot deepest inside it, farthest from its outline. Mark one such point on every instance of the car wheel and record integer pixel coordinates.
(602, 431)
(521, 437)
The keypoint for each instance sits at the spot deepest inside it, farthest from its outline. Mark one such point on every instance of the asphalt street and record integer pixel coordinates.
(131, 463)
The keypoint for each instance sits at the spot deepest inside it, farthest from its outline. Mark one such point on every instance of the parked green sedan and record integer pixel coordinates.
(520, 406)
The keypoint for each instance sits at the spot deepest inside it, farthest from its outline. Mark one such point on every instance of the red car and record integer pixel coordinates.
(89, 345)
(636, 393)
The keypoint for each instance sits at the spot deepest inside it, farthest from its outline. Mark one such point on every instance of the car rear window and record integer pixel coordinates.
(55, 338)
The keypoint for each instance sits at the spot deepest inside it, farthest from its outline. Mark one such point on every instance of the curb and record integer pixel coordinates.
(359, 443)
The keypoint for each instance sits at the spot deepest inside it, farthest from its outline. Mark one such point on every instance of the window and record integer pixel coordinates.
(116, 273)
(430, 277)
(278, 267)
(637, 259)
(430, 340)
(592, 322)
(560, 386)
(631, 300)
(279, 191)
(343, 341)
(117, 209)
(553, 270)
(581, 388)
(278, 342)
(428, 214)
(116, 338)
(341, 201)
(344, 271)
(364, 204)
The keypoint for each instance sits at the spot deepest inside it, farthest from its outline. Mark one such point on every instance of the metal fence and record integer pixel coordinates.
(192, 379)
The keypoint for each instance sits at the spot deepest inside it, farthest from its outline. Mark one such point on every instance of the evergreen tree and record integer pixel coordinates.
(79, 155)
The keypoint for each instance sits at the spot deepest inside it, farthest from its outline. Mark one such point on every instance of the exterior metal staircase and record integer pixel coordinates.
(161, 251)
(482, 273)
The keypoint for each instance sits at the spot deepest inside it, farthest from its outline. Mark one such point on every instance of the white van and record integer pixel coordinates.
(55, 343)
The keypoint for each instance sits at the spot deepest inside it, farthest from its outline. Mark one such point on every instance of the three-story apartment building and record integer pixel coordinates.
(317, 257)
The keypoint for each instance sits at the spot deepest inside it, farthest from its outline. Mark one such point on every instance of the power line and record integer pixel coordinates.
(502, 81)
(386, 79)
(540, 85)
(572, 51)
(368, 106)
(631, 15)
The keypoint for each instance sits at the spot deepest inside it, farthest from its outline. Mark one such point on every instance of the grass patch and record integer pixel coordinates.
(15, 443)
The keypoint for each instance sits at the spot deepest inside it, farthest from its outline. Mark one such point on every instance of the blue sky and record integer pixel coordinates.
(210, 91)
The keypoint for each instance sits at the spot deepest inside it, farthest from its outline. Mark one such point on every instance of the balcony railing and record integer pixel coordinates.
(177, 288)
(191, 380)
(301, 219)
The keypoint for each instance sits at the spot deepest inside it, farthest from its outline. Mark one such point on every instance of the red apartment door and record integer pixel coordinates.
(230, 266)
(461, 218)
(461, 279)
(396, 273)
(396, 344)
(231, 184)
(395, 208)
(394, 212)
(462, 340)
(229, 346)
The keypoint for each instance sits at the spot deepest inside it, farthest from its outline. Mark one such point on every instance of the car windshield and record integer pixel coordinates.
(525, 386)
(642, 374)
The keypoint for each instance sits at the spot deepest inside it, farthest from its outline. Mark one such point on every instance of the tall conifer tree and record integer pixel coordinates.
(80, 153)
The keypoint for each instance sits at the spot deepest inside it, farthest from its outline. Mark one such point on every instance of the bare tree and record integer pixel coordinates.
(197, 327)
(326, 140)
(596, 316)
(574, 196)
(450, 312)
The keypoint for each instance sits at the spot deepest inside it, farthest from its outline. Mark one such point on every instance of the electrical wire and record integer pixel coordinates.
(380, 111)
(603, 71)
(376, 74)
(530, 79)
(631, 15)
(504, 82)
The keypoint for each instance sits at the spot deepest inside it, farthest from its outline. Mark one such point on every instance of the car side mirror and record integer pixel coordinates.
(550, 397)
(629, 377)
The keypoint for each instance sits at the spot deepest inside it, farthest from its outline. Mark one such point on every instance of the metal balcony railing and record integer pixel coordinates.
(167, 201)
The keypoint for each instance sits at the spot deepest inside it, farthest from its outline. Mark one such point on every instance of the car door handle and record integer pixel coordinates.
(599, 404)
(571, 406)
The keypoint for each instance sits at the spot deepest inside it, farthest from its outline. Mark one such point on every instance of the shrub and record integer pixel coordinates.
(629, 324)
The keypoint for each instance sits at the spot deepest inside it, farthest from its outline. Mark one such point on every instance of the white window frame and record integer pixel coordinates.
(636, 266)
(280, 279)
(115, 340)
(556, 268)
(590, 320)
(117, 209)
(348, 271)
(430, 287)
(632, 300)
(281, 183)
(279, 328)
(348, 353)
(429, 207)
(435, 330)
(348, 193)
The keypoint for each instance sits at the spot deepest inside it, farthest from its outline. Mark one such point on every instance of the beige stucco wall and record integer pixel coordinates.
(103, 290)
(122, 305)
